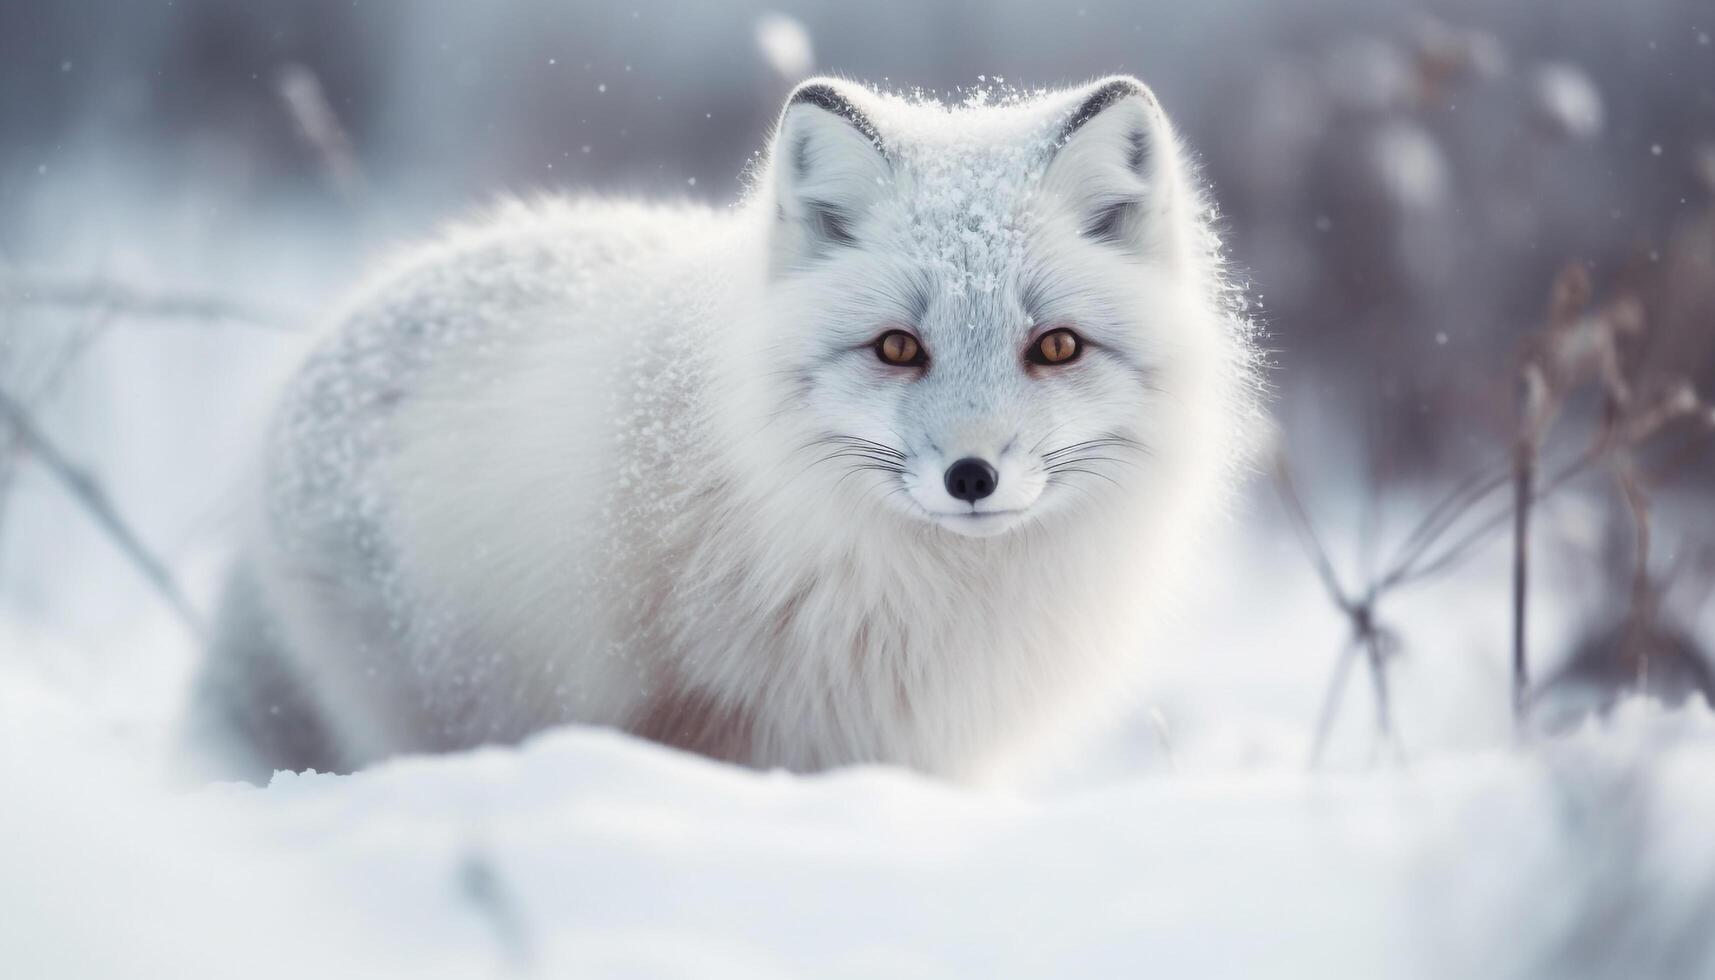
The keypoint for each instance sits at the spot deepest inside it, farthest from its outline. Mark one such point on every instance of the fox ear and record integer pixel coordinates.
(829, 167)
(1116, 165)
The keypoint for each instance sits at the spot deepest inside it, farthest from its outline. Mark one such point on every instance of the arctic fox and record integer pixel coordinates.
(899, 460)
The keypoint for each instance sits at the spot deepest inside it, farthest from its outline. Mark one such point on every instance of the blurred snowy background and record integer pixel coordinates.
(1470, 227)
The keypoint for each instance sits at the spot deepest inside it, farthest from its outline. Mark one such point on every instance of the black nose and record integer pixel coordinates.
(971, 479)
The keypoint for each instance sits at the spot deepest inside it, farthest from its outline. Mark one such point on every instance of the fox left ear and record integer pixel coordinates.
(829, 167)
(1117, 165)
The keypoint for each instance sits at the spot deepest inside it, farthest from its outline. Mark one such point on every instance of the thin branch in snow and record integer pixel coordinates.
(1581, 346)
(1287, 488)
(1533, 412)
(1377, 647)
(1331, 701)
(1163, 735)
(1640, 626)
(89, 493)
(1447, 512)
(1368, 636)
(36, 380)
(118, 298)
(1464, 546)
(481, 884)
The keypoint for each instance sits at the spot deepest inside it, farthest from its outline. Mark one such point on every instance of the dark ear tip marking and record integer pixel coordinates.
(1102, 98)
(824, 97)
(821, 95)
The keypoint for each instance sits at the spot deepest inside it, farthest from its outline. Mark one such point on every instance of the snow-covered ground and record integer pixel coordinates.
(585, 853)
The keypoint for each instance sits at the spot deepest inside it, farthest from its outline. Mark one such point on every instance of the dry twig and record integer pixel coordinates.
(1578, 347)
(116, 298)
(94, 499)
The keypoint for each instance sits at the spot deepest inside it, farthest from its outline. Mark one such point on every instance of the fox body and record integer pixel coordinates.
(899, 460)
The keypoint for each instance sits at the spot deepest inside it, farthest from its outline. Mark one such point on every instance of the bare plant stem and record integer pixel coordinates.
(1461, 549)
(1445, 514)
(1331, 701)
(1366, 633)
(1372, 643)
(1524, 491)
(118, 298)
(1642, 613)
(89, 493)
(1287, 488)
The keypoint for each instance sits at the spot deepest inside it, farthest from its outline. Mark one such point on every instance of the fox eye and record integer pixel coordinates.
(900, 349)
(1060, 346)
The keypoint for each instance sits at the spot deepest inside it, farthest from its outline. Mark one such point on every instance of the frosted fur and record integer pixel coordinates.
(597, 461)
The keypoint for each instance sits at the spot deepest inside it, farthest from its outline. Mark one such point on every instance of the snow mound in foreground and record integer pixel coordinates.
(586, 853)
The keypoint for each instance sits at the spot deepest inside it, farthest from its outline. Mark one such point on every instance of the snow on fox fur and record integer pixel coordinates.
(899, 460)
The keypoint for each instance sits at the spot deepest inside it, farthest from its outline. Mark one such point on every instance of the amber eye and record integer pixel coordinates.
(1060, 346)
(900, 349)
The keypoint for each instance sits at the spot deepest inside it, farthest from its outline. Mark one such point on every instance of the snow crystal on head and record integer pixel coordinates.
(968, 172)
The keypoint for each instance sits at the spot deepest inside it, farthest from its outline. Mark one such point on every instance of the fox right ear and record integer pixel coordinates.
(829, 167)
(1116, 165)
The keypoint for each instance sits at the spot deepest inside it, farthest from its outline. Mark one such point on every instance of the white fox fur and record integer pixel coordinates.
(641, 466)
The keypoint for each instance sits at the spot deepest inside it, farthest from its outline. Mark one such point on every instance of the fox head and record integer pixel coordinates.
(987, 315)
